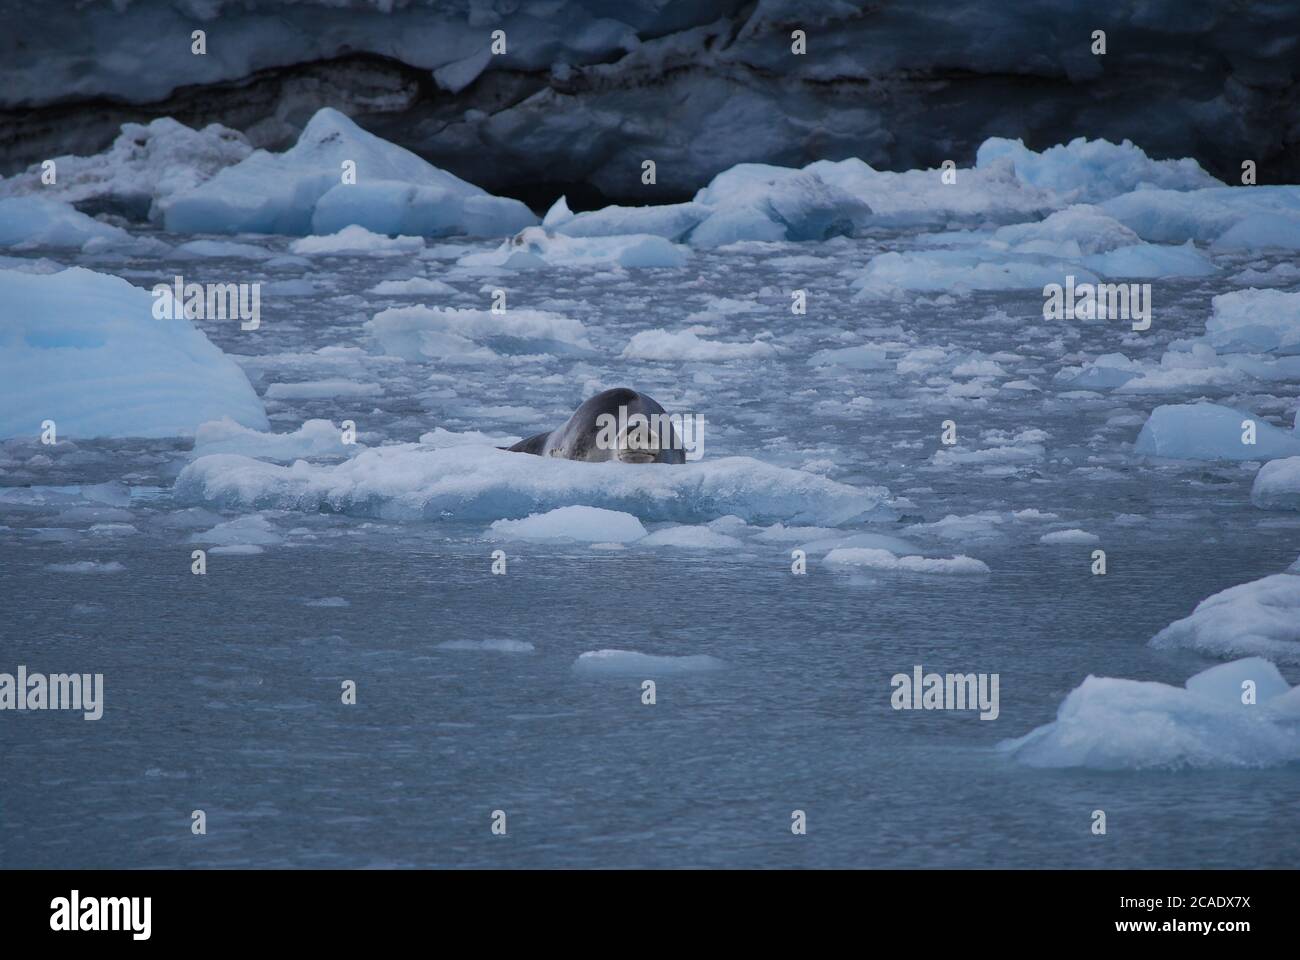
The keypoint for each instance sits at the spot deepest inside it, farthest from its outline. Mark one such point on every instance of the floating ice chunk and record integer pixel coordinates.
(112, 529)
(999, 455)
(755, 201)
(83, 349)
(991, 194)
(1114, 724)
(422, 333)
(1277, 485)
(283, 193)
(780, 533)
(114, 494)
(1032, 513)
(976, 366)
(1255, 321)
(393, 207)
(1108, 371)
(1224, 683)
(1090, 171)
(1208, 431)
(1258, 618)
(729, 524)
(1211, 215)
(1195, 366)
(1151, 261)
(973, 526)
(660, 344)
(853, 358)
(489, 646)
(86, 566)
(558, 214)
(691, 538)
(960, 271)
(321, 390)
(587, 524)
(29, 222)
(356, 240)
(315, 438)
(439, 437)
(254, 530)
(1069, 537)
(628, 663)
(1172, 216)
(1073, 232)
(136, 177)
(874, 559)
(408, 481)
(873, 541)
(672, 221)
(416, 286)
(327, 602)
(223, 248)
(534, 248)
(1261, 231)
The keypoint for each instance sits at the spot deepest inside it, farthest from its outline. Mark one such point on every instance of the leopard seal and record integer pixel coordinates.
(607, 427)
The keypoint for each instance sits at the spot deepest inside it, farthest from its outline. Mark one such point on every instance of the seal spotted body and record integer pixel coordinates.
(587, 434)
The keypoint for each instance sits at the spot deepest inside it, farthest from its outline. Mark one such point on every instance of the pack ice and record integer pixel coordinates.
(83, 349)
(301, 191)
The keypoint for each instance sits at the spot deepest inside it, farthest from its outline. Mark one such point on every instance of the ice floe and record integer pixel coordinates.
(409, 481)
(661, 344)
(688, 537)
(628, 663)
(497, 645)
(876, 559)
(315, 438)
(534, 248)
(356, 240)
(588, 524)
(468, 336)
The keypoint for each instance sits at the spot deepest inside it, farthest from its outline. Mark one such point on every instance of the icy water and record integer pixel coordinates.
(223, 691)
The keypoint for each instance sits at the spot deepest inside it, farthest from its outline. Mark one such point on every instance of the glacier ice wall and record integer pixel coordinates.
(589, 89)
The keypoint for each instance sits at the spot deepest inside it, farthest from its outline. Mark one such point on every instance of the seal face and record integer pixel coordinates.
(618, 424)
